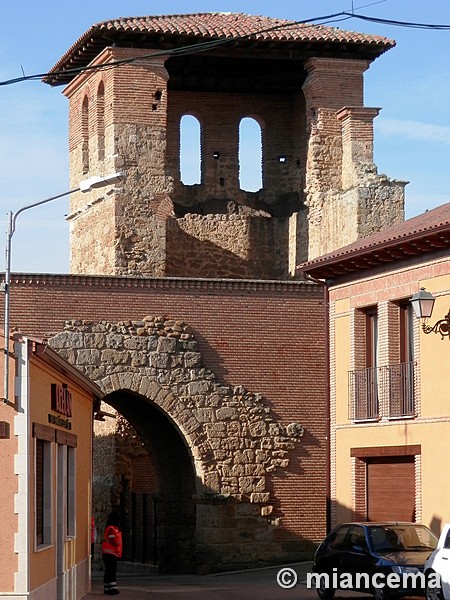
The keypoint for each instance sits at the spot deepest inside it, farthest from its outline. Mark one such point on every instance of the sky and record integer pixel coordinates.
(410, 83)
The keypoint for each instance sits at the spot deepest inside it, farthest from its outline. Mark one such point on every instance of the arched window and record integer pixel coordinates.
(85, 134)
(250, 155)
(101, 121)
(190, 150)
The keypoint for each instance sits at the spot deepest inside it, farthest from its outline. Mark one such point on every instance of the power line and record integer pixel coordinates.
(182, 50)
(205, 46)
(433, 26)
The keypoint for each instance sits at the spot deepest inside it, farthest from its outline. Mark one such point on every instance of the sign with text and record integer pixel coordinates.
(61, 399)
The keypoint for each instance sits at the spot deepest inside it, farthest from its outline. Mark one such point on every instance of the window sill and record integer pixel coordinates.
(401, 417)
(367, 420)
(42, 547)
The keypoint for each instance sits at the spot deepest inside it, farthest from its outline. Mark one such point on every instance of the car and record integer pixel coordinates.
(384, 559)
(439, 562)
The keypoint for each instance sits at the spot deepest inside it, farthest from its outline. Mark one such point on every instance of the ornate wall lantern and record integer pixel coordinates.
(423, 303)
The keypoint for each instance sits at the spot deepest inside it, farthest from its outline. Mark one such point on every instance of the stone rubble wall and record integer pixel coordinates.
(159, 360)
(234, 438)
(233, 246)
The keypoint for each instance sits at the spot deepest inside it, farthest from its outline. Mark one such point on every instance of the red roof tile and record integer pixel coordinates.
(215, 26)
(228, 25)
(431, 227)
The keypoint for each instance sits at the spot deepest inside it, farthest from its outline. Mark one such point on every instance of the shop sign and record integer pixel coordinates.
(61, 402)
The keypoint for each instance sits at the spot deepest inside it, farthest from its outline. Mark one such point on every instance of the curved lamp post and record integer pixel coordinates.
(85, 186)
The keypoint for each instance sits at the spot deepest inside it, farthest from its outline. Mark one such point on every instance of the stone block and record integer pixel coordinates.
(227, 412)
(166, 344)
(259, 497)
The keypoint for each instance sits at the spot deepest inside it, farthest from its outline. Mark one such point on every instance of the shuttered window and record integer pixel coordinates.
(39, 492)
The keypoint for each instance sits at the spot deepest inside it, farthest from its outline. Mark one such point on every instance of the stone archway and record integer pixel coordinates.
(232, 438)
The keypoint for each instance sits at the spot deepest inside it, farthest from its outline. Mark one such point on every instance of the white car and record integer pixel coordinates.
(439, 562)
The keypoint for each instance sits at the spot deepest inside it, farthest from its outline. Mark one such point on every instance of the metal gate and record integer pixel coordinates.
(140, 528)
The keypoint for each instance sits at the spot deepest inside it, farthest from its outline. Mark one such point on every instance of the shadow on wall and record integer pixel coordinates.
(188, 527)
(227, 246)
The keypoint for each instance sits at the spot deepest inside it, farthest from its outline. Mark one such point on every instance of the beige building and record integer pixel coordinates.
(389, 404)
(46, 457)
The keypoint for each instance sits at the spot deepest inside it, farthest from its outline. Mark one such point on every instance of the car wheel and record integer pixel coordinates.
(433, 593)
(325, 593)
(381, 593)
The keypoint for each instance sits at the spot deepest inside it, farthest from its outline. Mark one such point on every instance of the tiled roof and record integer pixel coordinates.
(228, 25)
(427, 232)
(214, 26)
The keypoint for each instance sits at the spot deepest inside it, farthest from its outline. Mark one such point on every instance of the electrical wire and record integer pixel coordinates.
(210, 44)
(182, 50)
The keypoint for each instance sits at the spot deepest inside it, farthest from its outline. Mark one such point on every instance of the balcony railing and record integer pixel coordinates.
(390, 385)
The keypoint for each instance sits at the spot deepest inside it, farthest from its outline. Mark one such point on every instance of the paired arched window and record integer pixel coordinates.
(250, 153)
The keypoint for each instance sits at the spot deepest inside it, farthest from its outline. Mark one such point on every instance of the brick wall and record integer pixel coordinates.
(265, 336)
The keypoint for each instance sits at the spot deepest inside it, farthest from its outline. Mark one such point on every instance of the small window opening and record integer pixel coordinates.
(101, 121)
(250, 155)
(190, 150)
(282, 159)
(85, 134)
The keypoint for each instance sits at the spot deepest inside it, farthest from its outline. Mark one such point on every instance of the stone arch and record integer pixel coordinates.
(233, 437)
(164, 399)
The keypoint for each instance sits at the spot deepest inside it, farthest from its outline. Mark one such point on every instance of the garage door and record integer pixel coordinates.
(391, 488)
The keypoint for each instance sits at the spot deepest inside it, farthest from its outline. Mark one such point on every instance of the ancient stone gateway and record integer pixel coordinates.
(214, 446)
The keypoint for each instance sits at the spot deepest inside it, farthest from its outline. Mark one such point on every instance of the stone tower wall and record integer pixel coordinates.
(233, 245)
(317, 165)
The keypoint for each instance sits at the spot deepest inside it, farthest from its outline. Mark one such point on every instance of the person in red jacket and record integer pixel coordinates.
(111, 551)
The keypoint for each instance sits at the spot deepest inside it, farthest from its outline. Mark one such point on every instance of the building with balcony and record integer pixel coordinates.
(389, 408)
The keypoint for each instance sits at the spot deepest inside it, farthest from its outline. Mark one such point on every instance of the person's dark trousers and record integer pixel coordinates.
(109, 577)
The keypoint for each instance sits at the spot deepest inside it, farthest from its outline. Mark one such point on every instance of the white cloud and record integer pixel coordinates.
(414, 130)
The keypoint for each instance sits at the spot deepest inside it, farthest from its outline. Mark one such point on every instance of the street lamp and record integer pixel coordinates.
(85, 186)
(422, 303)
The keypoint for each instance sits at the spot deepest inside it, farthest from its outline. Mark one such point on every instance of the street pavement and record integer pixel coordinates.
(258, 584)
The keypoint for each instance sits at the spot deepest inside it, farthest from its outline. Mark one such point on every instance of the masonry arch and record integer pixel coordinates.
(170, 537)
(226, 439)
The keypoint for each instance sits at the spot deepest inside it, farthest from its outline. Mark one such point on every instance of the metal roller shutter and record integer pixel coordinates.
(391, 491)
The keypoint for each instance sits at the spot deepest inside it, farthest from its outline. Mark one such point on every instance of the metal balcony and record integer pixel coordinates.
(390, 385)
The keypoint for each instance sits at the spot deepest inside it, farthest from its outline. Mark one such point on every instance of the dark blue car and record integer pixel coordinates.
(384, 559)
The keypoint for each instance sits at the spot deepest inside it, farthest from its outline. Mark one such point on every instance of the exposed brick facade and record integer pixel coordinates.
(245, 491)
(320, 185)
(257, 336)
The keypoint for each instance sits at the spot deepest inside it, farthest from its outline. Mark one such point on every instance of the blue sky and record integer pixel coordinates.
(410, 83)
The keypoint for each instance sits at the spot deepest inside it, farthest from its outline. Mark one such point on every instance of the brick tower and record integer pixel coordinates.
(130, 81)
